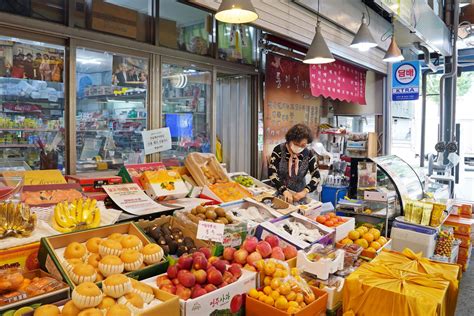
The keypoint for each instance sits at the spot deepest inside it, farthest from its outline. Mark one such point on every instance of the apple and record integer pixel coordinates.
(175, 281)
(250, 268)
(183, 292)
(223, 284)
(172, 271)
(212, 259)
(206, 251)
(278, 254)
(198, 291)
(220, 265)
(200, 262)
(201, 276)
(272, 240)
(210, 287)
(227, 276)
(290, 252)
(240, 256)
(170, 288)
(186, 278)
(264, 249)
(162, 280)
(229, 253)
(236, 270)
(214, 277)
(249, 244)
(185, 262)
(236, 303)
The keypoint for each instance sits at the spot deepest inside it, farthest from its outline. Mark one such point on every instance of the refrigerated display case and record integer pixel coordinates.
(32, 103)
(111, 109)
(186, 97)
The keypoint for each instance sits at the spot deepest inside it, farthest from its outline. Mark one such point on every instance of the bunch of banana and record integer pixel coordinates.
(16, 220)
(78, 215)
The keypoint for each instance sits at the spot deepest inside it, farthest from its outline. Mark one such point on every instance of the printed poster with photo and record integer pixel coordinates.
(130, 72)
(24, 61)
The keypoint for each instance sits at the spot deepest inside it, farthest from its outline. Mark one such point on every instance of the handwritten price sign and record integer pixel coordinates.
(210, 231)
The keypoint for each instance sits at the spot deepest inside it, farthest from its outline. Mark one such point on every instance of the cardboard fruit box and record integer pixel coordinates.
(228, 300)
(254, 307)
(132, 172)
(61, 293)
(51, 249)
(161, 184)
(20, 257)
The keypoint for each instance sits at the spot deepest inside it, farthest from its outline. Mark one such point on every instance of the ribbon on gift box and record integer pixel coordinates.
(408, 260)
(378, 289)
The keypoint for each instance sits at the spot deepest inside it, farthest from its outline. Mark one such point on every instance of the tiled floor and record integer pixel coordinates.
(465, 306)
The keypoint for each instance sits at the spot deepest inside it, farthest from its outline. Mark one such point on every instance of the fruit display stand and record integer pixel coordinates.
(255, 307)
(26, 295)
(342, 228)
(52, 248)
(321, 268)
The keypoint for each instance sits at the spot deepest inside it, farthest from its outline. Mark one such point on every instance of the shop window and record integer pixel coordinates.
(132, 19)
(185, 28)
(111, 109)
(32, 104)
(357, 124)
(186, 99)
(237, 43)
(49, 10)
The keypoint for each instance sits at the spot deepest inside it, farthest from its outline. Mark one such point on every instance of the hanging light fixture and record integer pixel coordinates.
(236, 12)
(393, 54)
(318, 52)
(363, 40)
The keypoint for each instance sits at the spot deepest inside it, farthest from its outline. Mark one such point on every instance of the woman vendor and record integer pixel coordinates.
(291, 161)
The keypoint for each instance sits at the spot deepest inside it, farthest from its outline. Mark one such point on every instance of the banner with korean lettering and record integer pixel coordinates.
(338, 80)
(288, 100)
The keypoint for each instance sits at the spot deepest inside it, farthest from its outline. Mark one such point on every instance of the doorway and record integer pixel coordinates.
(234, 120)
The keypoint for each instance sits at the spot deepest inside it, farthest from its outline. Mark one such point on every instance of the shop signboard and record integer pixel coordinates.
(406, 81)
(288, 100)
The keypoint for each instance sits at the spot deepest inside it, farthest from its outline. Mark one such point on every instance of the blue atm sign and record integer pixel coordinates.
(406, 81)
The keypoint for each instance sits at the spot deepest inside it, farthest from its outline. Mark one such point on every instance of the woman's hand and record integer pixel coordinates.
(288, 196)
(300, 195)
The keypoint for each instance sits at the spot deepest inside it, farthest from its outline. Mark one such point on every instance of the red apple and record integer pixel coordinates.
(183, 292)
(228, 253)
(214, 277)
(201, 276)
(186, 278)
(206, 251)
(240, 256)
(185, 262)
(198, 291)
(212, 259)
(290, 252)
(236, 303)
(220, 265)
(249, 244)
(278, 254)
(172, 271)
(210, 287)
(200, 262)
(227, 276)
(264, 249)
(223, 284)
(170, 288)
(162, 280)
(272, 240)
(235, 270)
(253, 257)
(175, 281)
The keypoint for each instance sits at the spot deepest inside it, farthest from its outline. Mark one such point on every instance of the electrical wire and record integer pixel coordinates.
(368, 14)
(389, 33)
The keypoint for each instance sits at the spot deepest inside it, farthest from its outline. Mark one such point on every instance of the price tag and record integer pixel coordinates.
(210, 231)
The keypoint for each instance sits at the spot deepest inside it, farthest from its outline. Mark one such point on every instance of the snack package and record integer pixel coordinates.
(417, 213)
(426, 216)
(437, 214)
(42, 285)
(408, 211)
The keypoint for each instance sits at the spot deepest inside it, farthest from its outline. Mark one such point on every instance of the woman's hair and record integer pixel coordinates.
(299, 132)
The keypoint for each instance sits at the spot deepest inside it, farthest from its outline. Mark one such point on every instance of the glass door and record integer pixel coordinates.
(186, 108)
(32, 104)
(111, 109)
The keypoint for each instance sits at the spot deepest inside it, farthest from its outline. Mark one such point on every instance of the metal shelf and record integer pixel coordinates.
(28, 129)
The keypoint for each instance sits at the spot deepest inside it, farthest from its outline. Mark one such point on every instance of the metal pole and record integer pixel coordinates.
(424, 79)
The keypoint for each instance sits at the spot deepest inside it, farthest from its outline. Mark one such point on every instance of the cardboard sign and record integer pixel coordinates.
(157, 140)
(131, 198)
(406, 81)
(210, 231)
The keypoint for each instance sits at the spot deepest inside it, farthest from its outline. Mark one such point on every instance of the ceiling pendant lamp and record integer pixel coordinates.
(236, 12)
(318, 52)
(363, 40)
(393, 54)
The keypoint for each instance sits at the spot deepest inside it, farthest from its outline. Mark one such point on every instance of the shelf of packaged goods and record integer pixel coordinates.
(119, 97)
(17, 145)
(12, 98)
(107, 130)
(20, 129)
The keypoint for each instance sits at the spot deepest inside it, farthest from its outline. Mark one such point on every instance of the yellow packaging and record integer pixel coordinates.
(163, 183)
(427, 209)
(437, 214)
(40, 177)
(378, 289)
(25, 257)
(417, 213)
(408, 210)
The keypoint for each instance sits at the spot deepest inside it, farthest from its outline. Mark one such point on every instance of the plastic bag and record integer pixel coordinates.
(11, 280)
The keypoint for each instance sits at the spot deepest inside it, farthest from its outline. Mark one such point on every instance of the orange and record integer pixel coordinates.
(299, 297)
(267, 280)
(364, 228)
(369, 237)
(332, 215)
(291, 296)
(375, 232)
(382, 240)
(269, 300)
(253, 293)
(275, 284)
(293, 310)
(346, 241)
(370, 249)
(320, 219)
(284, 289)
(376, 245)
(267, 290)
(354, 234)
(281, 303)
(362, 242)
(329, 223)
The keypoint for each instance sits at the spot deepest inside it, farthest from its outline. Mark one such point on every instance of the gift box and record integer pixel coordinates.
(378, 289)
(460, 225)
(163, 183)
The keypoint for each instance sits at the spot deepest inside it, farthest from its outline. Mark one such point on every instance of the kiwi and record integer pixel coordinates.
(188, 241)
(220, 211)
(194, 211)
(166, 249)
(209, 208)
(200, 209)
(211, 214)
(195, 219)
(201, 216)
(173, 247)
(229, 218)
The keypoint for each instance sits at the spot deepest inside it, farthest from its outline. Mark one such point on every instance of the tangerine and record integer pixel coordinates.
(269, 300)
(281, 303)
(382, 240)
(347, 241)
(253, 293)
(320, 219)
(354, 235)
(371, 249)
(375, 232)
(275, 284)
(376, 245)
(362, 242)
(369, 237)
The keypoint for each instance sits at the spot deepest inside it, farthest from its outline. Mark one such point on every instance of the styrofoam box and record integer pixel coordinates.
(334, 294)
(270, 228)
(418, 242)
(342, 230)
(322, 268)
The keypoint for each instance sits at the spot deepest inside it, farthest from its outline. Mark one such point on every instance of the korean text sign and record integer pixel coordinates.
(406, 81)
(156, 140)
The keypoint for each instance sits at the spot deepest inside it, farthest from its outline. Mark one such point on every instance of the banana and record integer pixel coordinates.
(79, 210)
(96, 221)
(59, 228)
(61, 219)
(79, 214)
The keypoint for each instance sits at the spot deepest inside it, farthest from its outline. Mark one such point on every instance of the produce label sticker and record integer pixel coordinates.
(131, 198)
(156, 140)
(210, 231)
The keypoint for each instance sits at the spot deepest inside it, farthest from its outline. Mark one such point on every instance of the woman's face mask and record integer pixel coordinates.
(296, 149)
